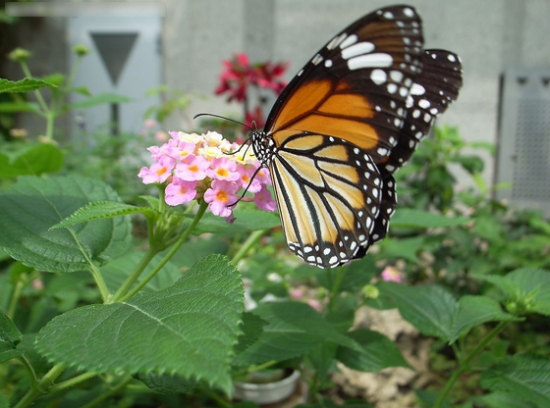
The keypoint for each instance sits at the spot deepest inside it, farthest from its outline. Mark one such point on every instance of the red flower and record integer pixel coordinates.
(238, 75)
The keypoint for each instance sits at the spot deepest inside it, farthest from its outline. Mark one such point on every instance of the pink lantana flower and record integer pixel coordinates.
(180, 191)
(392, 274)
(219, 196)
(192, 168)
(223, 169)
(264, 201)
(158, 172)
(210, 168)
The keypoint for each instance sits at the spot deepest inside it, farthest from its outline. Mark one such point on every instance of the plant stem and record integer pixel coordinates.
(123, 383)
(71, 382)
(249, 243)
(465, 364)
(100, 282)
(30, 369)
(37, 93)
(334, 285)
(15, 295)
(167, 257)
(41, 387)
(150, 254)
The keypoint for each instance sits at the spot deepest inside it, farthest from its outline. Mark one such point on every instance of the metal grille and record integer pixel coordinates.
(524, 148)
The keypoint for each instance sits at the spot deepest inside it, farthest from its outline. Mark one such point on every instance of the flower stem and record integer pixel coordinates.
(71, 382)
(168, 256)
(150, 254)
(465, 364)
(41, 387)
(249, 243)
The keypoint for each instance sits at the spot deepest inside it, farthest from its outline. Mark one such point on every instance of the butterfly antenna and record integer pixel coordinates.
(224, 118)
(247, 187)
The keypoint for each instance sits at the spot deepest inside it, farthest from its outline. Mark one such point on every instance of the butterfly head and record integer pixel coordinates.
(264, 147)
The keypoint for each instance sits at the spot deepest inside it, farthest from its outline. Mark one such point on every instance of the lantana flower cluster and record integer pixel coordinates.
(210, 167)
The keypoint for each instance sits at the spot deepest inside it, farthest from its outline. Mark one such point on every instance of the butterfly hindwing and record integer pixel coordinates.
(328, 193)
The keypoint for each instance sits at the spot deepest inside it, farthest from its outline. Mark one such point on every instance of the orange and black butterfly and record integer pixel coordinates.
(348, 120)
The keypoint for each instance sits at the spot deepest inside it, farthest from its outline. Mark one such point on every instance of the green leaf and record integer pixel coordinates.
(322, 359)
(402, 248)
(33, 160)
(14, 107)
(474, 310)
(101, 99)
(378, 352)
(24, 85)
(188, 329)
(525, 377)
(356, 275)
(252, 328)
(32, 205)
(10, 336)
(167, 384)
(409, 218)
(101, 210)
(4, 401)
(116, 272)
(430, 309)
(529, 288)
(503, 400)
(534, 286)
(247, 219)
(294, 329)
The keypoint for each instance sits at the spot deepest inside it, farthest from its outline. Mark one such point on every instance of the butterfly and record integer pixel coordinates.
(346, 122)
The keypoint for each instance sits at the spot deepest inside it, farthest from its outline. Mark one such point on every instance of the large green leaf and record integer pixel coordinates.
(32, 205)
(24, 85)
(294, 329)
(188, 329)
(10, 336)
(522, 376)
(430, 309)
(33, 160)
(101, 210)
(377, 352)
(474, 310)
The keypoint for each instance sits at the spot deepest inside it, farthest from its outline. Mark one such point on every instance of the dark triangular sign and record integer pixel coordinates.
(114, 49)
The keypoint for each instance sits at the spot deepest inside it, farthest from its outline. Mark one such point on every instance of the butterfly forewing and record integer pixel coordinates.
(434, 89)
(343, 123)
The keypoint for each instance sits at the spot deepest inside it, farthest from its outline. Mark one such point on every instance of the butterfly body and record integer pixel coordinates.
(348, 120)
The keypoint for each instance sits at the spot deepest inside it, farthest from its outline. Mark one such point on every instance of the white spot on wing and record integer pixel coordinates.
(357, 49)
(378, 76)
(352, 39)
(377, 60)
(417, 89)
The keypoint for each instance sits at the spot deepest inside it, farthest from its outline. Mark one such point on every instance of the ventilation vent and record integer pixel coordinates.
(524, 146)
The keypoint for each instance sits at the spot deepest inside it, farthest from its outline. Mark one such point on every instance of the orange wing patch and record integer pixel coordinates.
(306, 98)
(347, 105)
(354, 131)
